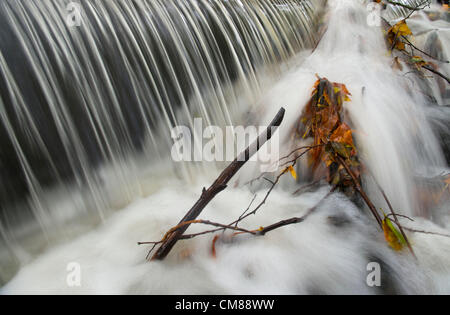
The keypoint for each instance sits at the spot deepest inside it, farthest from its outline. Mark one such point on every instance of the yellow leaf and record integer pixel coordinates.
(401, 29)
(399, 45)
(292, 171)
(396, 32)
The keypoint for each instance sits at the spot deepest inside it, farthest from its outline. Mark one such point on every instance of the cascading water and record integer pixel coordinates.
(92, 106)
(83, 101)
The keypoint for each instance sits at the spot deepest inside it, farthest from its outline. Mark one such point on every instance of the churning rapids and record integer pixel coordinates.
(86, 113)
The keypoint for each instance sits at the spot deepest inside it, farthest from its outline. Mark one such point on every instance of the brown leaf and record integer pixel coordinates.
(213, 247)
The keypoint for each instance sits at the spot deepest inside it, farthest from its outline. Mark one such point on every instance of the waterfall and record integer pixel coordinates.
(88, 89)
(87, 103)
(388, 110)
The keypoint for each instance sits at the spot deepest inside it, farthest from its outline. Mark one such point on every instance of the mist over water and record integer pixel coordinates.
(86, 119)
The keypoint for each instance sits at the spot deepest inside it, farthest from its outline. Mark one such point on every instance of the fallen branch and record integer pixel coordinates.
(218, 186)
(427, 67)
(274, 183)
(222, 227)
(333, 146)
(437, 73)
(291, 221)
(359, 189)
(246, 213)
(423, 52)
(401, 31)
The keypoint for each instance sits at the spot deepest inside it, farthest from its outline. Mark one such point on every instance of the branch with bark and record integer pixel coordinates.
(233, 226)
(333, 146)
(218, 186)
(397, 38)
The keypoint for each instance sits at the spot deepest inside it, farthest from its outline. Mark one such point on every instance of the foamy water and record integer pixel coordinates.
(329, 252)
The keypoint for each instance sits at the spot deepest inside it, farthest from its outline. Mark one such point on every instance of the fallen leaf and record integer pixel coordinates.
(392, 235)
(396, 32)
(418, 61)
(292, 171)
(396, 64)
(343, 134)
(213, 247)
(401, 29)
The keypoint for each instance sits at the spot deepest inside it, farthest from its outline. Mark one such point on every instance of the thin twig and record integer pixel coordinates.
(273, 184)
(308, 148)
(396, 219)
(437, 73)
(305, 187)
(229, 226)
(401, 216)
(260, 232)
(421, 6)
(426, 232)
(423, 52)
(246, 210)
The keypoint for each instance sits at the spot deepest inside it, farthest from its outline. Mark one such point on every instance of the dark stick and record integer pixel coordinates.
(223, 227)
(291, 221)
(395, 215)
(426, 232)
(426, 54)
(360, 190)
(280, 224)
(218, 186)
(437, 73)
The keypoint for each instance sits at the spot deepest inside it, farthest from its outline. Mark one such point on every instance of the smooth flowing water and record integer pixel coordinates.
(94, 104)
(91, 90)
